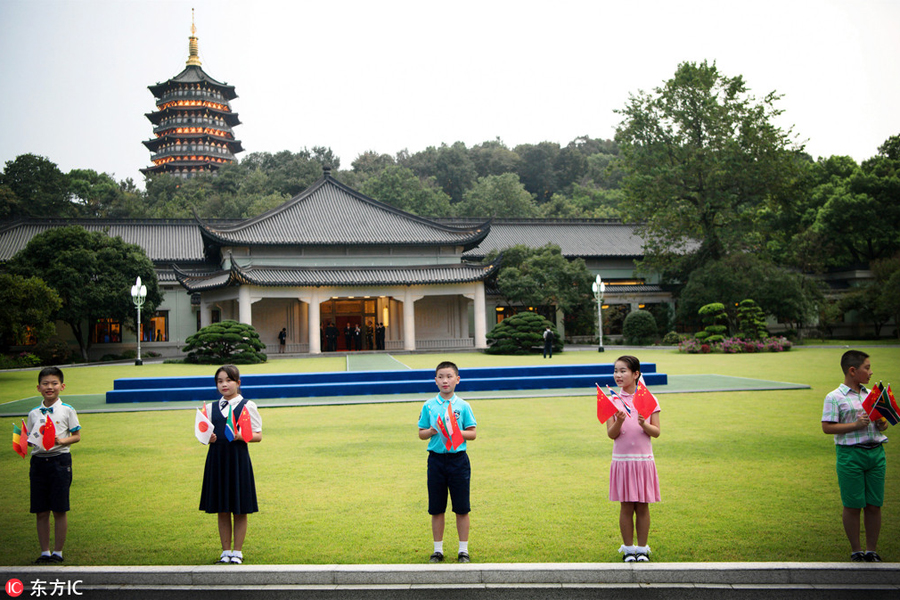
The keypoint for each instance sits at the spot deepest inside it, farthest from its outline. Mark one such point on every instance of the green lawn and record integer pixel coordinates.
(745, 476)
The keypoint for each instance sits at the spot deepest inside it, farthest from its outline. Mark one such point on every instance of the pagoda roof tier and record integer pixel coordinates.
(200, 281)
(234, 146)
(329, 213)
(192, 74)
(230, 118)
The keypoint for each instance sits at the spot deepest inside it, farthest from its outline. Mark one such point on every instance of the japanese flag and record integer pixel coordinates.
(203, 427)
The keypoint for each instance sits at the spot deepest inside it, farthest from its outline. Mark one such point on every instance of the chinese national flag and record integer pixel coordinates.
(456, 437)
(48, 431)
(605, 408)
(880, 404)
(243, 425)
(644, 401)
(870, 404)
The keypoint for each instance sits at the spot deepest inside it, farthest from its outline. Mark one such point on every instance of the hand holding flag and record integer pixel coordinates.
(444, 434)
(880, 404)
(456, 436)
(645, 402)
(203, 427)
(605, 407)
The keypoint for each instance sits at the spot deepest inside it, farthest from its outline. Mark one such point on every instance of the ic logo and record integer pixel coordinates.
(14, 588)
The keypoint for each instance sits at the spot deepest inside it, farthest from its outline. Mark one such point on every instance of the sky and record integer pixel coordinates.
(390, 75)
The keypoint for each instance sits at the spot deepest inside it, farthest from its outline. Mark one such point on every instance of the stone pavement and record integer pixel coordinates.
(793, 581)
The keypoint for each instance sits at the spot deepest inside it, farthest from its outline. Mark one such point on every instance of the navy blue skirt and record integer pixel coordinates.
(228, 484)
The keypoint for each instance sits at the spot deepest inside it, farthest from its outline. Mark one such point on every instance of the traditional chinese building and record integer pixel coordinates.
(193, 124)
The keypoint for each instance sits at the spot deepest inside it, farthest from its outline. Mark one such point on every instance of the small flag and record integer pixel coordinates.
(645, 402)
(229, 425)
(245, 429)
(20, 440)
(892, 401)
(615, 396)
(203, 427)
(444, 434)
(881, 404)
(48, 433)
(456, 437)
(605, 408)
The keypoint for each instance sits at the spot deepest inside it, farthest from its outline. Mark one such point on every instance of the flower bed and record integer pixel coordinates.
(735, 346)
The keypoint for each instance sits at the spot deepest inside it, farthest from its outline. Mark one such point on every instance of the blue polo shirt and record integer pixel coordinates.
(436, 407)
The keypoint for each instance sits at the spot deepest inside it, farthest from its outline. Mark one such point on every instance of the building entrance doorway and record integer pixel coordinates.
(346, 314)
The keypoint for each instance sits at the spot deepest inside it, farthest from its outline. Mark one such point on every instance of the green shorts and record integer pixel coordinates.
(860, 474)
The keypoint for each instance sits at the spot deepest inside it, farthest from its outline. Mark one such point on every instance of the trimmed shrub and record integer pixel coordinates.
(639, 328)
(521, 334)
(227, 341)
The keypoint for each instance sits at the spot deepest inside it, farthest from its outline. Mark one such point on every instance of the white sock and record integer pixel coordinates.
(439, 546)
(58, 553)
(642, 549)
(623, 549)
(226, 554)
(47, 553)
(464, 547)
(237, 553)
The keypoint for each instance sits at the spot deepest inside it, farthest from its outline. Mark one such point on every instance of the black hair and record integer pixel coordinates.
(231, 371)
(852, 358)
(632, 362)
(51, 372)
(447, 365)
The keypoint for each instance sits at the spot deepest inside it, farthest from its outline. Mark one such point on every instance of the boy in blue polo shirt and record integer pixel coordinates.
(447, 422)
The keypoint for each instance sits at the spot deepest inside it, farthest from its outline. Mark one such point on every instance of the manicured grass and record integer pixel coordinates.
(744, 476)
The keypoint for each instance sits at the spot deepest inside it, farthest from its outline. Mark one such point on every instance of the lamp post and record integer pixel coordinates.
(598, 288)
(138, 295)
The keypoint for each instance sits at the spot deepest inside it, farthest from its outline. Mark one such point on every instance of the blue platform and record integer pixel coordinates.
(355, 383)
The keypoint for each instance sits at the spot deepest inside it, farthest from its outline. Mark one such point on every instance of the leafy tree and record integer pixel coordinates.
(537, 169)
(40, 188)
(716, 320)
(543, 277)
(701, 156)
(493, 158)
(27, 307)
(639, 328)
(498, 196)
(399, 187)
(99, 195)
(786, 295)
(372, 163)
(226, 341)
(521, 334)
(92, 273)
(878, 301)
(449, 165)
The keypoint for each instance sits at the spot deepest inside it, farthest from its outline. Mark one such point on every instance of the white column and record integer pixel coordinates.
(245, 307)
(315, 344)
(204, 314)
(480, 316)
(409, 320)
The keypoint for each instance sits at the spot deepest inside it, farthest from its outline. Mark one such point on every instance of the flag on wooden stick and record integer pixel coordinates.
(645, 402)
(20, 440)
(203, 427)
(245, 429)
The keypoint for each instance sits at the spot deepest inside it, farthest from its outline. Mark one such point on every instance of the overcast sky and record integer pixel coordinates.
(390, 74)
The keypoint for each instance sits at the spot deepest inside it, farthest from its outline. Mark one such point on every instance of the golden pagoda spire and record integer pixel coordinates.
(193, 47)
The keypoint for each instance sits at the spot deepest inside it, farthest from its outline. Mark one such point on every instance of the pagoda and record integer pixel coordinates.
(193, 121)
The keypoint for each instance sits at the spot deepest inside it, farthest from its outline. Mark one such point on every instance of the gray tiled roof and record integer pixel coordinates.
(163, 240)
(329, 213)
(342, 276)
(576, 237)
(193, 74)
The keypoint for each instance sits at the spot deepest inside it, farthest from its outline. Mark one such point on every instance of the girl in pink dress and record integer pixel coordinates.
(632, 474)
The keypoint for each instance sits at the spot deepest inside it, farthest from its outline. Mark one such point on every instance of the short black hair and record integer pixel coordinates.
(852, 358)
(631, 362)
(51, 372)
(447, 365)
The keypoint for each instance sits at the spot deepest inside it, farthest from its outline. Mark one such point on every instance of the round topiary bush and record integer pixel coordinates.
(639, 328)
(672, 339)
(521, 334)
(227, 341)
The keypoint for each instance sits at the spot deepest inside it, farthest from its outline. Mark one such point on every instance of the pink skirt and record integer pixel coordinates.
(633, 479)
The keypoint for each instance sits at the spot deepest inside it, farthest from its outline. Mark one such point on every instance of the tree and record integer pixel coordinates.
(786, 295)
(226, 341)
(521, 334)
(701, 156)
(639, 328)
(92, 273)
(493, 158)
(498, 196)
(449, 165)
(543, 277)
(40, 188)
(399, 187)
(537, 169)
(27, 307)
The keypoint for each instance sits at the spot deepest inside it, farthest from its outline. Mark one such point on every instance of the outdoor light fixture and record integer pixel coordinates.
(598, 288)
(138, 295)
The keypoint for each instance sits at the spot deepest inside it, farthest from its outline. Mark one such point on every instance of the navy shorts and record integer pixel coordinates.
(51, 478)
(451, 472)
